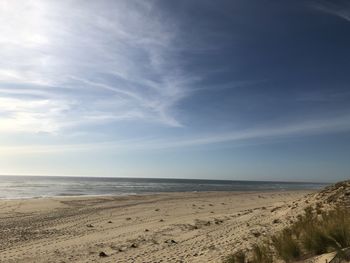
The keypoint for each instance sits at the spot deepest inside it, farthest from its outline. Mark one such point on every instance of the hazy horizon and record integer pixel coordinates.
(231, 90)
(160, 178)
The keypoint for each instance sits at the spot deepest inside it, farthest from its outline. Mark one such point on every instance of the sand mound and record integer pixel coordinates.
(336, 195)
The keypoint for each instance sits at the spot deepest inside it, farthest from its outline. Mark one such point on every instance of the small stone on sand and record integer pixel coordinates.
(103, 254)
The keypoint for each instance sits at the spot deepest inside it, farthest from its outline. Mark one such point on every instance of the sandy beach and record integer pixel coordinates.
(172, 227)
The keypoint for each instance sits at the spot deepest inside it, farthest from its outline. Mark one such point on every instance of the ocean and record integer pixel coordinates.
(15, 187)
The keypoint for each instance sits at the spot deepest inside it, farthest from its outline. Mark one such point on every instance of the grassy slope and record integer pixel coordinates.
(323, 227)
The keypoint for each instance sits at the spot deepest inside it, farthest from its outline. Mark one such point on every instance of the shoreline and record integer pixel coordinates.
(163, 227)
(158, 193)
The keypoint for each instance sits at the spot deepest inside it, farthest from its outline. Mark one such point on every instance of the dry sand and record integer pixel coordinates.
(172, 227)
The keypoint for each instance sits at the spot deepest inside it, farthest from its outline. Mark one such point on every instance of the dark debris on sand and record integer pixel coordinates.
(103, 254)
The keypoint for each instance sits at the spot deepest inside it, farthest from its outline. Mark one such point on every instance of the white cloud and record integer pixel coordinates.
(31, 115)
(76, 53)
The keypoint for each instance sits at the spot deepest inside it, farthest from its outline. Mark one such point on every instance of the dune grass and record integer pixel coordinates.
(324, 231)
(286, 246)
(262, 254)
(314, 233)
(238, 257)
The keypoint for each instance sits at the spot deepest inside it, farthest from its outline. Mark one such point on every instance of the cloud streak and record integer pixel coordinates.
(256, 135)
(68, 56)
(340, 9)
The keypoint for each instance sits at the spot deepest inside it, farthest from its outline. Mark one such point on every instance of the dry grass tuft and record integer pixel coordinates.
(238, 257)
(316, 232)
(286, 246)
(262, 254)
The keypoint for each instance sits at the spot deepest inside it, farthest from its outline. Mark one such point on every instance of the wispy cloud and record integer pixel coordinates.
(256, 135)
(340, 8)
(71, 55)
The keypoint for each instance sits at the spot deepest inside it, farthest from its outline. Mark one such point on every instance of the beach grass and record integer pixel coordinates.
(315, 232)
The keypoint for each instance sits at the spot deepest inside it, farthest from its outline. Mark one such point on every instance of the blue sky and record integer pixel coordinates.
(251, 90)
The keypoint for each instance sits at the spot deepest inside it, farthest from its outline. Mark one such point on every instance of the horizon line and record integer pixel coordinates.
(165, 178)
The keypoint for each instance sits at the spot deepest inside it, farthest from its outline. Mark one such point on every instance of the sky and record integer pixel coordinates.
(236, 89)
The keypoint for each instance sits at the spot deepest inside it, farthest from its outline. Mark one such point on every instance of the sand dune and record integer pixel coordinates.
(176, 227)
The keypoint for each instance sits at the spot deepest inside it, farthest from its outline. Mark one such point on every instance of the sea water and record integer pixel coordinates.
(14, 187)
